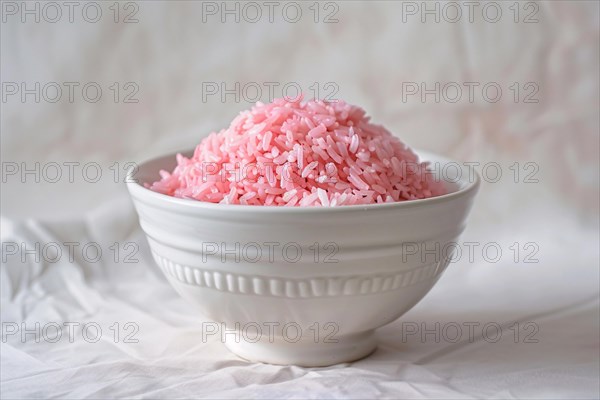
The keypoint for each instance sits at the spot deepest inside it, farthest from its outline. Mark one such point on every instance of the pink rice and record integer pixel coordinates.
(294, 153)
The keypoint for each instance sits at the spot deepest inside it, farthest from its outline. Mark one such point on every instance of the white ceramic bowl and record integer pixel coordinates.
(274, 298)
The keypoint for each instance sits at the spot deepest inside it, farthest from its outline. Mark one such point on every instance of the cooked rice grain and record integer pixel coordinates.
(294, 153)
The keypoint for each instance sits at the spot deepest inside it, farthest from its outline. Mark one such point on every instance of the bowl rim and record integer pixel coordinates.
(138, 190)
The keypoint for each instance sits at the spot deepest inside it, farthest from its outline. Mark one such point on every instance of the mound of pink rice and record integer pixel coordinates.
(294, 153)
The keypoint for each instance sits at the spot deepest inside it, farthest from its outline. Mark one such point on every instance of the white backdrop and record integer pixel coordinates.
(169, 56)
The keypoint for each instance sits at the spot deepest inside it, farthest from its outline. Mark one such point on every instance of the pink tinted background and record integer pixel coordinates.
(369, 55)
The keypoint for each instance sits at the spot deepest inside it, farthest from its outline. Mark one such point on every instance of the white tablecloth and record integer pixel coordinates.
(554, 302)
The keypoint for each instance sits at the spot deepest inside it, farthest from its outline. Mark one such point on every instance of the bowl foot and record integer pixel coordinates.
(306, 353)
